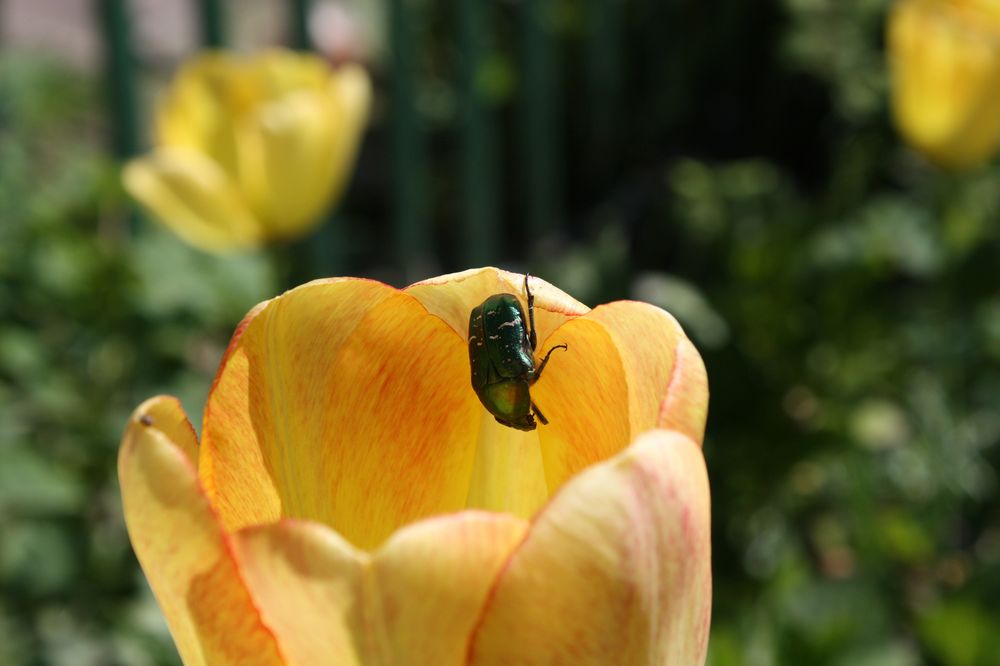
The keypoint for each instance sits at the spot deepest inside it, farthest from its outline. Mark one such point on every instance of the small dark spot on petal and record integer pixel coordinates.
(146, 420)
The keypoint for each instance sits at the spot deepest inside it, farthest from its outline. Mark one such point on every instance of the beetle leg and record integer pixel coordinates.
(538, 413)
(532, 338)
(538, 373)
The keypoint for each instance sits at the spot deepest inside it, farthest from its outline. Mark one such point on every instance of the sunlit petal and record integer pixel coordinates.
(415, 601)
(309, 584)
(584, 394)
(343, 402)
(615, 570)
(452, 297)
(183, 551)
(667, 384)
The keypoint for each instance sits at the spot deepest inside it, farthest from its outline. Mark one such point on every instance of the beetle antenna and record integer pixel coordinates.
(532, 338)
(538, 413)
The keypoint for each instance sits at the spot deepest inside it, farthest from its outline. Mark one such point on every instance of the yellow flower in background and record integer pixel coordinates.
(352, 502)
(945, 67)
(251, 150)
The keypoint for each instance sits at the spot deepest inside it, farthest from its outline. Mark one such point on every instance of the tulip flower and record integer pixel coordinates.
(251, 150)
(945, 67)
(351, 501)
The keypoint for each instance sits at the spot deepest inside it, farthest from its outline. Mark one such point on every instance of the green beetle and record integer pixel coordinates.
(501, 350)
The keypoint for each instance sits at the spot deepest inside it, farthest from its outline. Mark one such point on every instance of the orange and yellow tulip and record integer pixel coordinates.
(251, 150)
(351, 502)
(944, 58)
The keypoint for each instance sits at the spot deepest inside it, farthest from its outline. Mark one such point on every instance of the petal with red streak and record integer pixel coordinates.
(343, 402)
(667, 384)
(583, 393)
(615, 570)
(306, 580)
(183, 551)
(433, 578)
(415, 601)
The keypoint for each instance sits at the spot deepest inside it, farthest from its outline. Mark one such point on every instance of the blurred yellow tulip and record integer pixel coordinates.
(251, 150)
(945, 67)
(351, 502)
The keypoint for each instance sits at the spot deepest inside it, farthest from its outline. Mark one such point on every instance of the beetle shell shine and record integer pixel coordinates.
(501, 360)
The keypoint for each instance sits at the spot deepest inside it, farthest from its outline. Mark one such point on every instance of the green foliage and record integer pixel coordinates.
(94, 318)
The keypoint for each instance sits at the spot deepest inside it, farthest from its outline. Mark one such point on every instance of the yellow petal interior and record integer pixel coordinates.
(509, 472)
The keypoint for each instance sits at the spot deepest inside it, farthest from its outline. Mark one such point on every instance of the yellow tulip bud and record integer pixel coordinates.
(251, 150)
(351, 502)
(945, 67)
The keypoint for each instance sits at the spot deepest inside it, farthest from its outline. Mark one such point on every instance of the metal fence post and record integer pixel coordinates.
(120, 75)
(479, 171)
(410, 180)
(541, 140)
(213, 29)
(299, 24)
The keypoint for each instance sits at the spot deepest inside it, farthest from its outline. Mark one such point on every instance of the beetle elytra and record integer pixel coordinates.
(501, 355)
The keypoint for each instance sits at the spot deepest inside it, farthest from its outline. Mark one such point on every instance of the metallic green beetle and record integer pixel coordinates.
(503, 364)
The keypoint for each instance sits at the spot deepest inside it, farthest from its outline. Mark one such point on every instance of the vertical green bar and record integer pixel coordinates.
(213, 29)
(604, 84)
(326, 251)
(479, 142)
(540, 132)
(299, 21)
(409, 173)
(120, 73)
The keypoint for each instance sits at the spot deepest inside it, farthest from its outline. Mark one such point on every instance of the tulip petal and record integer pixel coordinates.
(415, 601)
(945, 64)
(685, 406)
(583, 393)
(632, 367)
(295, 152)
(433, 578)
(201, 106)
(615, 570)
(509, 473)
(344, 402)
(667, 383)
(281, 72)
(183, 551)
(194, 197)
(452, 297)
(306, 580)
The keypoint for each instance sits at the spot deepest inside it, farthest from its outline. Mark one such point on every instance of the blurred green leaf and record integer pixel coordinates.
(960, 633)
(31, 484)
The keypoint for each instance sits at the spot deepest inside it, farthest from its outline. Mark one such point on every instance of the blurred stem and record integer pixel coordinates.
(285, 265)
